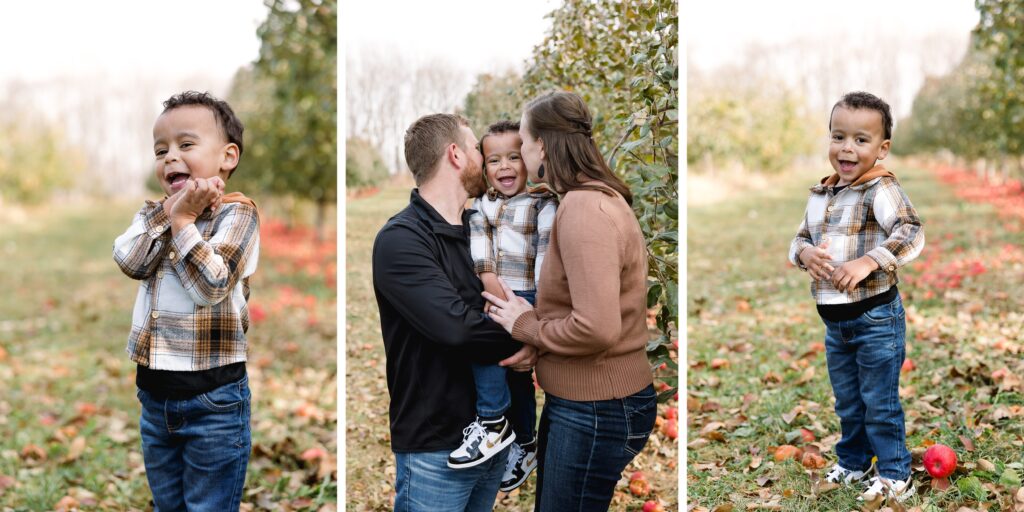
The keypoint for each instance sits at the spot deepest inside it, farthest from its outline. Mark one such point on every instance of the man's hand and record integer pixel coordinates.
(849, 274)
(816, 260)
(195, 197)
(521, 361)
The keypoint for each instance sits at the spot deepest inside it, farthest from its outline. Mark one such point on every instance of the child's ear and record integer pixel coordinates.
(543, 155)
(230, 157)
(883, 150)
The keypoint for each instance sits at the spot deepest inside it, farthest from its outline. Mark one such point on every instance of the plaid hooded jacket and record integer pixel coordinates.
(191, 310)
(874, 217)
(509, 235)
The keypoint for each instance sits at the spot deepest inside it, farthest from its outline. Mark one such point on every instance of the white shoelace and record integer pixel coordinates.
(473, 432)
(514, 456)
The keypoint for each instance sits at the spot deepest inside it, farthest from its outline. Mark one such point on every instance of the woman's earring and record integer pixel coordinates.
(540, 171)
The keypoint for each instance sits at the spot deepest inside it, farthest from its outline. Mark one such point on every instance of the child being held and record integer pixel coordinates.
(858, 229)
(509, 233)
(193, 252)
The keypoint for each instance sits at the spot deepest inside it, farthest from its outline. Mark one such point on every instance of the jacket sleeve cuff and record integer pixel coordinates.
(156, 221)
(527, 328)
(794, 255)
(484, 265)
(885, 259)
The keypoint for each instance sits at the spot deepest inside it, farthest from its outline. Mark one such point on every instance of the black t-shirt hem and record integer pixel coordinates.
(176, 385)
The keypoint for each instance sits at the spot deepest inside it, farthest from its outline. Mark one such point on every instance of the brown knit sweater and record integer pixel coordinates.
(590, 321)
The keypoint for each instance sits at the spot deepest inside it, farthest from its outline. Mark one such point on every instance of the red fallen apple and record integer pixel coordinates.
(787, 451)
(807, 435)
(940, 461)
(639, 487)
(908, 365)
(653, 506)
(637, 475)
(670, 428)
(671, 413)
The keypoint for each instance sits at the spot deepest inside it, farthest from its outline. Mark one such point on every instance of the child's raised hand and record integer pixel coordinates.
(816, 260)
(849, 274)
(196, 196)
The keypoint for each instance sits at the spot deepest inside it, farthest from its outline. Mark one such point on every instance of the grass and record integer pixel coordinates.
(755, 377)
(370, 465)
(68, 412)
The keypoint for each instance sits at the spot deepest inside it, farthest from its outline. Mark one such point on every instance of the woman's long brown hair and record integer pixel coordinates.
(562, 120)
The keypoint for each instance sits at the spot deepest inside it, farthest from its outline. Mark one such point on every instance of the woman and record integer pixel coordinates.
(590, 324)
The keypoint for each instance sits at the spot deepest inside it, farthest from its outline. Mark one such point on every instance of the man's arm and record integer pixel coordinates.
(140, 248)
(210, 269)
(406, 273)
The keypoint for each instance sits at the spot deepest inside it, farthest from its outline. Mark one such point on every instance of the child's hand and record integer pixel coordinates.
(847, 276)
(816, 261)
(196, 196)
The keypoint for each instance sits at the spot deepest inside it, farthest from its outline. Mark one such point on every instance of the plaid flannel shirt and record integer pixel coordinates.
(191, 310)
(509, 236)
(873, 217)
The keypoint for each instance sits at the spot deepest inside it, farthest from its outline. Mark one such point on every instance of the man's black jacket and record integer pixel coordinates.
(431, 316)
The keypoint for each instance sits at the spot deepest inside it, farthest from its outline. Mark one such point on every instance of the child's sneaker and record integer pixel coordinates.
(898, 489)
(522, 460)
(481, 440)
(841, 475)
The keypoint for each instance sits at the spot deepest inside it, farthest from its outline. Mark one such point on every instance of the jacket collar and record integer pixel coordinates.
(867, 179)
(429, 215)
(540, 190)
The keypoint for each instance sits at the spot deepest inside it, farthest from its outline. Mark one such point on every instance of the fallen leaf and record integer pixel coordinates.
(75, 451)
(968, 445)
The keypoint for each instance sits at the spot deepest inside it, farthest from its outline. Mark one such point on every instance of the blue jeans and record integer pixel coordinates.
(424, 482)
(584, 446)
(498, 390)
(196, 450)
(864, 358)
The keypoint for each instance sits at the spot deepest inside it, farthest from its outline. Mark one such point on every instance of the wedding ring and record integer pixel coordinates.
(494, 309)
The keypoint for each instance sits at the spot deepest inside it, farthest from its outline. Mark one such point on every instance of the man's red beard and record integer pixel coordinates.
(473, 181)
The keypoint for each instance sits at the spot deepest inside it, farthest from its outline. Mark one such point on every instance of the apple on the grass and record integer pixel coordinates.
(940, 462)
(653, 506)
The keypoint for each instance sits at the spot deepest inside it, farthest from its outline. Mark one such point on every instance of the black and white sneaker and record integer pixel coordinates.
(481, 440)
(522, 460)
(841, 475)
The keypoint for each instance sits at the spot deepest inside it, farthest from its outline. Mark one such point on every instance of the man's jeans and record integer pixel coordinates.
(584, 446)
(196, 450)
(424, 482)
(500, 390)
(864, 358)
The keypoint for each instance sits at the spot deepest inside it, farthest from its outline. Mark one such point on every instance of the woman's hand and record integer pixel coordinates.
(505, 312)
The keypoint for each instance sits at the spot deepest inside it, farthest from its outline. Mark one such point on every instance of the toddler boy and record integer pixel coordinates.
(509, 234)
(859, 227)
(193, 253)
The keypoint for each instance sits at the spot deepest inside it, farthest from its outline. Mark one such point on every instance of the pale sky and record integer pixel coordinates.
(42, 40)
(477, 36)
(716, 30)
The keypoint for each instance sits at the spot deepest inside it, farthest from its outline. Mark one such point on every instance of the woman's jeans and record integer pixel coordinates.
(500, 390)
(584, 446)
(196, 450)
(864, 358)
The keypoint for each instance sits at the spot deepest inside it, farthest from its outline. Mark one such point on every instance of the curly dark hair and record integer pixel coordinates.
(866, 100)
(225, 116)
(503, 126)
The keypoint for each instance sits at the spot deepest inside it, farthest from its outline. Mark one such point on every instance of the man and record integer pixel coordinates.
(431, 313)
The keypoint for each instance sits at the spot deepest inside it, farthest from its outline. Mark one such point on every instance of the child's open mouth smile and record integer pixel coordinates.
(847, 165)
(177, 180)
